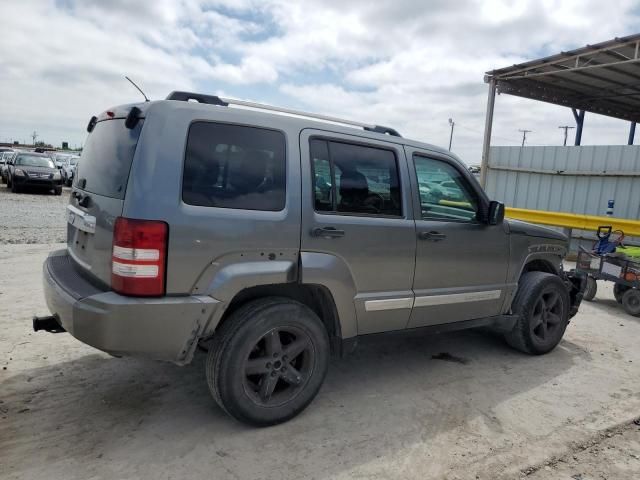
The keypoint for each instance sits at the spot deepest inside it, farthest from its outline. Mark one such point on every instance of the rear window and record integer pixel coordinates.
(232, 166)
(106, 158)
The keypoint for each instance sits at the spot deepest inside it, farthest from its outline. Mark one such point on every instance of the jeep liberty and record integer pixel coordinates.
(275, 238)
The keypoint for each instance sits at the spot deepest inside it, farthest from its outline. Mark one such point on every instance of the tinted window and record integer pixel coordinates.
(230, 166)
(355, 179)
(106, 158)
(444, 191)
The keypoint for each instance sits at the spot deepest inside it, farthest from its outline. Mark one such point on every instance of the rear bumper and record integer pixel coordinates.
(165, 328)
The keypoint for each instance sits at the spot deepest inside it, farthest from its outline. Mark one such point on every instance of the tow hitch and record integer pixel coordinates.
(48, 324)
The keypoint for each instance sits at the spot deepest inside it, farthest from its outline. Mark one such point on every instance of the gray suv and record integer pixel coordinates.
(275, 239)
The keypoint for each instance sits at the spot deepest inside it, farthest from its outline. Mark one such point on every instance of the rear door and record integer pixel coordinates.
(356, 207)
(98, 195)
(461, 262)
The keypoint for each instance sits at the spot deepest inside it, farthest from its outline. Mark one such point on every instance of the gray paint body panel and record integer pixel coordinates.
(379, 275)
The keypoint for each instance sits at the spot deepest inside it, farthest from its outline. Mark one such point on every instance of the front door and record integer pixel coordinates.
(357, 209)
(461, 262)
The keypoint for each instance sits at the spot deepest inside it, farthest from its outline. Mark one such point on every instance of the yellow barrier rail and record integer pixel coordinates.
(630, 228)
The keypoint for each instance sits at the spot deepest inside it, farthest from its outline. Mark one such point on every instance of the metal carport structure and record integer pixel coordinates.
(603, 78)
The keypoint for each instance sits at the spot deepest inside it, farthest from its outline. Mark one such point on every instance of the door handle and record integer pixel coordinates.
(327, 232)
(432, 236)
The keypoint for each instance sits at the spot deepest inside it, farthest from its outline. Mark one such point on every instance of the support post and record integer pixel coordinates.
(579, 116)
(632, 133)
(488, 124)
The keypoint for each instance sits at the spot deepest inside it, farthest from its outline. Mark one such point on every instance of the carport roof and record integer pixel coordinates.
(603, 78)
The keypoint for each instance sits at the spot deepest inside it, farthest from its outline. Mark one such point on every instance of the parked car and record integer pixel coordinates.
(257, 236)
(33, 170)
(68, 169)
(452, 191)
(5, 158)
(59, 159)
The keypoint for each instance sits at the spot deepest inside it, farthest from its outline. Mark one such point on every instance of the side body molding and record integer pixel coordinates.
(331, 272)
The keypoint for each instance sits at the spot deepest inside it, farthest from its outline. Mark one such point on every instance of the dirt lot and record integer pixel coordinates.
(397, 408)
(33, 217)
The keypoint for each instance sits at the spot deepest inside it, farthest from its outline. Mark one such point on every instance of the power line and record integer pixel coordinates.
(524, 135)
(498, 137)
(566, 129)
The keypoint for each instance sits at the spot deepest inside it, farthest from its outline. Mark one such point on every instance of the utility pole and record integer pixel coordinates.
(34, 135)
(452, 124)
(524, 135)
(566, 129)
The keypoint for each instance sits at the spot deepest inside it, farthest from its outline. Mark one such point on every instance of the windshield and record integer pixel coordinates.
(33, 161)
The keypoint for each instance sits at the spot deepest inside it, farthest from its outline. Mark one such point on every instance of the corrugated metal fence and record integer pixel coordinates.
(567, 179)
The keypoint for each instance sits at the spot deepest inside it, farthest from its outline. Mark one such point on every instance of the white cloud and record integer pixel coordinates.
(410, 65)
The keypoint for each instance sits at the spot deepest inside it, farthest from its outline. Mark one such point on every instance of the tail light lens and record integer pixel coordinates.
(139, 257)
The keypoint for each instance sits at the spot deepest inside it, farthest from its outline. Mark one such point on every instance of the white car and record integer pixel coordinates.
(4, 160)
(68, 169)
(60, 159)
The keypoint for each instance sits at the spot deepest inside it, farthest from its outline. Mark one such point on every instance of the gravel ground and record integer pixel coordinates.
(460, 405)
(33, 217)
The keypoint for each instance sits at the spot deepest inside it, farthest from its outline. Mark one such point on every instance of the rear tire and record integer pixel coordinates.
(542, 303)
(592, 288)
(618, 291)
(268, 361)
(58, 191)
(631, 302)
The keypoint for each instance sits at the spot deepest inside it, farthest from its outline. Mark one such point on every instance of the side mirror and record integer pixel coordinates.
(496, 213)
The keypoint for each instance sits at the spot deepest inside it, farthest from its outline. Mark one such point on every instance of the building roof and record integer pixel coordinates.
(603, 78)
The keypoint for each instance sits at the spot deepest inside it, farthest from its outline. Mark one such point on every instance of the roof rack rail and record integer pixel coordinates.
(224, 102)
(198, 97)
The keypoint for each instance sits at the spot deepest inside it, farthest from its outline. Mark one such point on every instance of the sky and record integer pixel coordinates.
(407, 64)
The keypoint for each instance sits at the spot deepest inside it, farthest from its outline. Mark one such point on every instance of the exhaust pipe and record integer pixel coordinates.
(49, 324)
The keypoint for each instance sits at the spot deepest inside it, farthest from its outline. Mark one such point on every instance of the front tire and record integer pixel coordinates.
(57, 191)
(542, 304)
(268, 360)
(15, 188)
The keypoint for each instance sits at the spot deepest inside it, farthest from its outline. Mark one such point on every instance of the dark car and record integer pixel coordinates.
(33, 170)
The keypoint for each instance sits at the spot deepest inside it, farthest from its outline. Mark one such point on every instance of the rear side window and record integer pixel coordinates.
(355, 179)
(106, 158)
(232, 166)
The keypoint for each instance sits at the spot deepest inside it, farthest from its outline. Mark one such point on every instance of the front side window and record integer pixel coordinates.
(232, 166)
(355, 179)
(444, 191)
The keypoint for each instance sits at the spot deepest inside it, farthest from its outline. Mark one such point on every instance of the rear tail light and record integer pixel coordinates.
(138, 260)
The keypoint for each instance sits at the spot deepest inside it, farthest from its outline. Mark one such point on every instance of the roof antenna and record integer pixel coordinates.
(139, 89)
